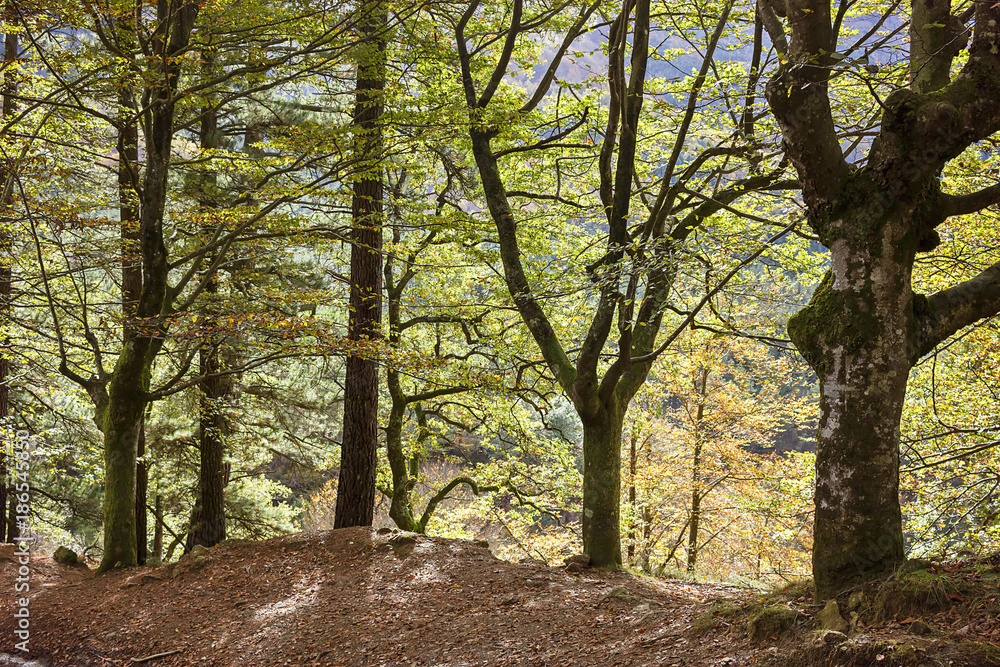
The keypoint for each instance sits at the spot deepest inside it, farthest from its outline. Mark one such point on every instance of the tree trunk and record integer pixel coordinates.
(12, 532)
(208, 518)
(356, 483)
(6, 275)
(602, 445)
(141, 487)
(401, 505)
(693, 525)
(858, 334)
(158, 529)
(128, 212)
(632, 460)
(122, 422)
(696, 495)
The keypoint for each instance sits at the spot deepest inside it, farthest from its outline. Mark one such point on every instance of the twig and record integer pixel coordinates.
(156, 655)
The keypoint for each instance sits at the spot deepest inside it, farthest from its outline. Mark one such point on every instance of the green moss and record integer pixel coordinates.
(703, 623)
(913, 592)
(832, 319)
(771, 621)
(983, 654)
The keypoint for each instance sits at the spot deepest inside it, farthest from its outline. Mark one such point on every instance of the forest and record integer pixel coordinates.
(699, 289)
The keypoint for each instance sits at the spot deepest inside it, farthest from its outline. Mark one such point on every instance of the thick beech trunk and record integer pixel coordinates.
(858, 334)
(356, 483)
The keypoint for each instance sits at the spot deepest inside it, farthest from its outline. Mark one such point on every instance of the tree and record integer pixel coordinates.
(635, 272)
(7, 107)
(864, 327)
(359, 444)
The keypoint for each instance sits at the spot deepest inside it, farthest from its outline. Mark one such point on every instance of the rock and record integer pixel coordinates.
(583, 560)
(200, 561)
(855, 600)
(830, 618)
(574, 568)
(919, 627)
(66, 556)
(384, 531)
(829, 638)
(482, 543)
(198, 550)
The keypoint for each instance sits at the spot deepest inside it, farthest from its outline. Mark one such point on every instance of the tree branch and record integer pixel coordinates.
(941, 315)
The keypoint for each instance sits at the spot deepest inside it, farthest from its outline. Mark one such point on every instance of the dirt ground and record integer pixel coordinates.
(361, 597)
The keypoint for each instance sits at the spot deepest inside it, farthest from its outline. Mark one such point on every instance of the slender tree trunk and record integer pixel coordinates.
(12, 532)
(6, 274)
(208, 518)
(632, 460)
(356, 483)
(696, 496)
(858, 334)
(158, 529)
(401, 506)
(602, 445)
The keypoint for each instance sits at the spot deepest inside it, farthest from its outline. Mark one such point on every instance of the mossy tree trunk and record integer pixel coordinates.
(864, 328)
(406, 469)
(858, 334)
(120, 410)
(602, 440)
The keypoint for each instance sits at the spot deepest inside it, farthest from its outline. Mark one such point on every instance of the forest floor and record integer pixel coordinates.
(361, 597)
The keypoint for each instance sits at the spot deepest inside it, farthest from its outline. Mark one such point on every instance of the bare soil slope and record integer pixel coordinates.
(361, 597)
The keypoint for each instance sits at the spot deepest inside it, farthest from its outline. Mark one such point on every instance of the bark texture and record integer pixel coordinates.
(864, 328)
(208, 517)
(6, 276)
(120, 415)
(356, 482)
